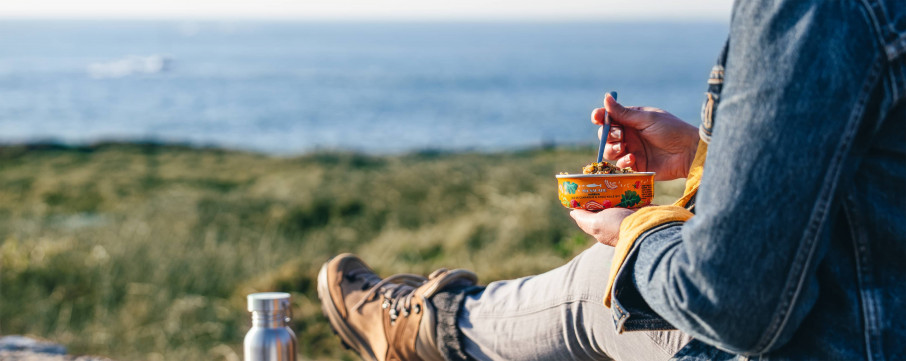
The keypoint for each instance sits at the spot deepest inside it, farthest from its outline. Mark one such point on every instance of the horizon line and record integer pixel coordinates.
(445, 19)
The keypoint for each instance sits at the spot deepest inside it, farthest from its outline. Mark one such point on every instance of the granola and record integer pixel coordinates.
(605, 168)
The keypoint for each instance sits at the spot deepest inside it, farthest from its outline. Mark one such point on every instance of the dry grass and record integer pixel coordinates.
(145, 252)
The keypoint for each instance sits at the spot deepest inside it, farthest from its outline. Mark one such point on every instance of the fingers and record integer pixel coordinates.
(627, 160)
(616, 134)
(613, 150)
(635, 117)
(597, 116)
(623, 159)
(615, 147)
(585, 220)
(576, 214)
(629, 116)
(604, 226)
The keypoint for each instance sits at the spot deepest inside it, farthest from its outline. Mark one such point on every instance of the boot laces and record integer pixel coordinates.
(397, 290)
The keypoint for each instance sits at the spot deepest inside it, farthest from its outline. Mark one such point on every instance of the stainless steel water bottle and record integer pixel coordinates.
(270, 338)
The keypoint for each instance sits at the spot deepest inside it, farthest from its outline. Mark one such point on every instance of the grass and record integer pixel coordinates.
(146, 252)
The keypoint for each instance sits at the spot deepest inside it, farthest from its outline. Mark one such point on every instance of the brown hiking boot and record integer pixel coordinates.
(389, 319)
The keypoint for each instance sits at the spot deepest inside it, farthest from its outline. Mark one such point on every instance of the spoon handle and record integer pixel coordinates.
(606, 132)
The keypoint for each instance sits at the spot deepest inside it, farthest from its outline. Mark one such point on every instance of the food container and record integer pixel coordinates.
(595, 192)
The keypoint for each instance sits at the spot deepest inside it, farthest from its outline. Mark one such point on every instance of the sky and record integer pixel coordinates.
(690, 10)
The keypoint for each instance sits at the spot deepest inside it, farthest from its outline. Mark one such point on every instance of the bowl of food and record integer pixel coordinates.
(602, 185)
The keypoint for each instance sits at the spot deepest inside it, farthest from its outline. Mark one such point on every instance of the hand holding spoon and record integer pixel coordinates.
(606, 131)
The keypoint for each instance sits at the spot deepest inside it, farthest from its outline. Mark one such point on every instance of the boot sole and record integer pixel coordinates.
(350, 338)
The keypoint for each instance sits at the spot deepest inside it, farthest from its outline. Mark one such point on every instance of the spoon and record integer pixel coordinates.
(606, 133)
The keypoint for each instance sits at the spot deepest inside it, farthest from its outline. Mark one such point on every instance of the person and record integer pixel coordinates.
(788, 243)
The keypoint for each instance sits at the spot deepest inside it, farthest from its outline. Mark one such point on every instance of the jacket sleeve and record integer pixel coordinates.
(741, 273)
(648, 218)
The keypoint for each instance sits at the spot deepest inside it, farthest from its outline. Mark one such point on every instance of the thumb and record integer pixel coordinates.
(578, 214)
(630, 117)
(584, 219)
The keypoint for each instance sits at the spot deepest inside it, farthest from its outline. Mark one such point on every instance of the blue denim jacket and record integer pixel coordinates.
(797, 249)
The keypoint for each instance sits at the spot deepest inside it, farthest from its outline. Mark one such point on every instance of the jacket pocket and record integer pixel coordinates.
(712, 98)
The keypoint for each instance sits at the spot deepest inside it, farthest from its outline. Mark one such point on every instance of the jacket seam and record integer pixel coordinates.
(638, 242)
(859, 283)
(875, 22)
(868, 310)
(624, 315)
(892, 49)
(896, 48)
(809, 242)
(894, 44)
(893, 85)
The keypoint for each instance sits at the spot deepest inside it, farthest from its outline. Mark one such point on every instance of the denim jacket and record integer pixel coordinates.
(797, 249)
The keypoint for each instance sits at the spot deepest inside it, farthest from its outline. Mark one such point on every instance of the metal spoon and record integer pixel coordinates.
(606, 133)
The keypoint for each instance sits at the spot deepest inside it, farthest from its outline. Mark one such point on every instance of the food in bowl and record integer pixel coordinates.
(605, 168)
(593, 191)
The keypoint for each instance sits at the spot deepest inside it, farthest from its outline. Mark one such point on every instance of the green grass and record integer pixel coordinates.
(146, 252)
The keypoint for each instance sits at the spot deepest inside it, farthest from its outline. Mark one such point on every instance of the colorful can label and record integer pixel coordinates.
(595, 192)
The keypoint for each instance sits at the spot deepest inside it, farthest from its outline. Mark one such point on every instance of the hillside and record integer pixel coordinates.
(142, 251)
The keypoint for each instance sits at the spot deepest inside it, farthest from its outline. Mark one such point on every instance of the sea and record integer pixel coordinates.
(291, 87)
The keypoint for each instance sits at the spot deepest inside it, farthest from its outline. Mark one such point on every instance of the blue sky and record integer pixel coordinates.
(554, 10)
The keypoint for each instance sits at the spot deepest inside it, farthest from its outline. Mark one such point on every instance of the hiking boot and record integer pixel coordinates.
(384, 319)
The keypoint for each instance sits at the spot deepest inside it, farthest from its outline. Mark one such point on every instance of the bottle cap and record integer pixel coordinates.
(268, 302)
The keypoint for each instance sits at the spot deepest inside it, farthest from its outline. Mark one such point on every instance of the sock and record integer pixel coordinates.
(448, 304)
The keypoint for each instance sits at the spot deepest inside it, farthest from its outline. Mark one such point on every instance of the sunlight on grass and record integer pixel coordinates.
(147, 252)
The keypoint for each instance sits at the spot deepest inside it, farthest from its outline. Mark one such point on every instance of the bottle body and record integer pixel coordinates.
(270, 344)
(270, 338)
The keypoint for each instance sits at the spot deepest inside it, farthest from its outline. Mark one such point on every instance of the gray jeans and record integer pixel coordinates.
(558, 315)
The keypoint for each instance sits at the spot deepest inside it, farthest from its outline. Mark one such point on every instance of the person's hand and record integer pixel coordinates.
(647, 139)
(604, 226)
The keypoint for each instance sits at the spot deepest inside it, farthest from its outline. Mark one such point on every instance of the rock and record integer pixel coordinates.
(20, 348)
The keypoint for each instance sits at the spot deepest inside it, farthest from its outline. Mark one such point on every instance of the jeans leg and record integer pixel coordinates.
(558, 315)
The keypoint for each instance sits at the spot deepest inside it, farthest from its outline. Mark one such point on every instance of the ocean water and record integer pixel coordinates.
(292, 87)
